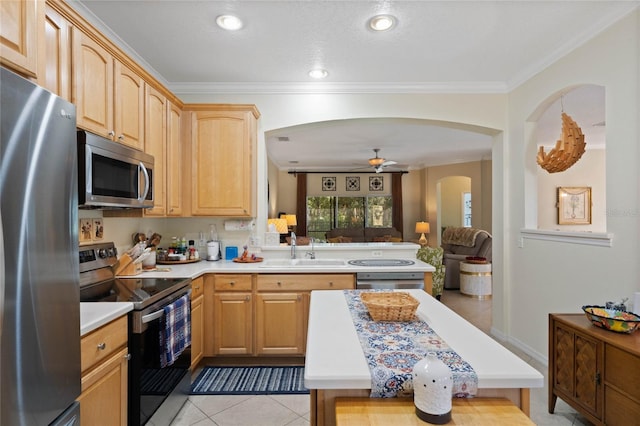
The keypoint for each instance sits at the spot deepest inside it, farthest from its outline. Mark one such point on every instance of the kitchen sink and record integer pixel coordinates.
(302, 263)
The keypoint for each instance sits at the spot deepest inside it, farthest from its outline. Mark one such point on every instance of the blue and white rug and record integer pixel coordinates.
(249, 381)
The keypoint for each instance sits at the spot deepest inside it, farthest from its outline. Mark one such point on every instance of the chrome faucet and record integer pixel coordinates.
(312, 253)
(293, 245)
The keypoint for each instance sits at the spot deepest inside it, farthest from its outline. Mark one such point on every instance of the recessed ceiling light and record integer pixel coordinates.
(381, 22)
(318, 73)
(229, 22)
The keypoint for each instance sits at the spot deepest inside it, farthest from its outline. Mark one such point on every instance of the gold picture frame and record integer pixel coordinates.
(574, 205)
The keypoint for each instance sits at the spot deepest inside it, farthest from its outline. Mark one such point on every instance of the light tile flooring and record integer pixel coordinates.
(293, 410)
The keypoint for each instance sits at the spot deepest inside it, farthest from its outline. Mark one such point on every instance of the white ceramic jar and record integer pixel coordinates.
(432, 390)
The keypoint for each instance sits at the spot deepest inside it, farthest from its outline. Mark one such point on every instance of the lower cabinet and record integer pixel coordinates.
(595, 371)
(261, 314)
(104, 360)
(197, 321)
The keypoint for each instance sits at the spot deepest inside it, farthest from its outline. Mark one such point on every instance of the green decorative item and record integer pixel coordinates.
(433, 256)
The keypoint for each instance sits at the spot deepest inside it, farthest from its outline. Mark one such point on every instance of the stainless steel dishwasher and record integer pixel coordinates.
(387, 279)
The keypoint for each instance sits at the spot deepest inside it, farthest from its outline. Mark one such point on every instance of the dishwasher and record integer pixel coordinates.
(387, 279)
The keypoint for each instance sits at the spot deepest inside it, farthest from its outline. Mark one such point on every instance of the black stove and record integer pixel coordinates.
(99, 284)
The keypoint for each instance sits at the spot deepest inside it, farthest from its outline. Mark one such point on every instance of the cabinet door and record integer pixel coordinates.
(156, 145)
(19, 35)
(56, 73)
(92, 88)
(577, 368)
(104, 392)
(174, 161)
(233, 315)
(280, 323)
(223, 163)
(197, 319)
(129, 98)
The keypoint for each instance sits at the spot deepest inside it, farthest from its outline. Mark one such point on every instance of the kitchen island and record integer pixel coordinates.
(335, 365)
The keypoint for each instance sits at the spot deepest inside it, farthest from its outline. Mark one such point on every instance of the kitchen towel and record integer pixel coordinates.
(391, 349)
(175, 330)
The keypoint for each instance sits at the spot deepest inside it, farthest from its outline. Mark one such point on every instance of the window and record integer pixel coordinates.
(326, 213)
(466, 209)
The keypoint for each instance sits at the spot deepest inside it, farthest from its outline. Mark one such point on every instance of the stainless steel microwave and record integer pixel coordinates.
(112, 175)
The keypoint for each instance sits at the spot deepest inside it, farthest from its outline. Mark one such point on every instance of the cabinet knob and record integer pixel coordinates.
(232, 282)
(127, 357)
(102, 346)
(111, 133)
(248, 298)
(330, 283)
(299, 298)
(121, 137)
(197, 287)
(279, 283)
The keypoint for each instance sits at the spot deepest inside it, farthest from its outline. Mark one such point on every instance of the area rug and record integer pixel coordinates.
(249, 381)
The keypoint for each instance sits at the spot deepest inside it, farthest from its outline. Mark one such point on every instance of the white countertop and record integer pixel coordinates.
(335, 360)
(194, 270)
(96, 314)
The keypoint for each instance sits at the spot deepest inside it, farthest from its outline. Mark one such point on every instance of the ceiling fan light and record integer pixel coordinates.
(229, 22)
(376, 161)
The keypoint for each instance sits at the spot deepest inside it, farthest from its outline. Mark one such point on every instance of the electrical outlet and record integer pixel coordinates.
(376, 253)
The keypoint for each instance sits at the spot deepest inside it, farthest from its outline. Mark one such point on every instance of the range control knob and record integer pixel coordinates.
(102, 253)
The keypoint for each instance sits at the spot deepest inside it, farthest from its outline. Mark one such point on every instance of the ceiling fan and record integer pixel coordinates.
(379, 163)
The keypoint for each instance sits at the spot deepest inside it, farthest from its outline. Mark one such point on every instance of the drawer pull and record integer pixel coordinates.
(279, 283)
(330, 283)
(231, 283)
(247, 298)
(102, 346)
(597, 378)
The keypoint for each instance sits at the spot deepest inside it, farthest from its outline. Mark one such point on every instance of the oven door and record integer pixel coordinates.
(155, 393)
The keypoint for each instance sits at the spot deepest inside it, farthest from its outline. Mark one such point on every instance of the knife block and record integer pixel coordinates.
(126, 266)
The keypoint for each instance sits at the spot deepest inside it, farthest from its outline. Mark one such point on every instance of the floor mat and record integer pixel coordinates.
(249, 381)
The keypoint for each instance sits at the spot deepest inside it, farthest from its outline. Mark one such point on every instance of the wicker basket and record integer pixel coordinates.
(390, 306)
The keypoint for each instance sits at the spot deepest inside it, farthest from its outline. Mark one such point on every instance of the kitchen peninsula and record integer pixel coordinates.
(335, 365)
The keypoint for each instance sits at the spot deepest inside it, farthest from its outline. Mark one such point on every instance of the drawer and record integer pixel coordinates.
(102, 343)
(622, 370)
(197, 288)
(304, 282)
(618, 409)
(232, 282)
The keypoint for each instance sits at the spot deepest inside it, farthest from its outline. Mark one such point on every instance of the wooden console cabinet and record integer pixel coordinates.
(595, 371)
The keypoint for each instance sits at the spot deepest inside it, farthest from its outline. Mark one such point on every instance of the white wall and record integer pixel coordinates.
(549, 276)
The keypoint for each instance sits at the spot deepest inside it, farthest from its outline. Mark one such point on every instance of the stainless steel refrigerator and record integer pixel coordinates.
(39, 263)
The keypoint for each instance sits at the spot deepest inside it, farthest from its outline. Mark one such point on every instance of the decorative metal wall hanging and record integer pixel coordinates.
(568, 149)
(329, 183)
(352, 183)
(376, 183)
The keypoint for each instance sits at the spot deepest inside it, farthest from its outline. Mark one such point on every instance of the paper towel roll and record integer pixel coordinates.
(636, 302)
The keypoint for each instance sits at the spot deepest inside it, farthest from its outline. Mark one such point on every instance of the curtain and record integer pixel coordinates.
(396, 195)
(301, 203)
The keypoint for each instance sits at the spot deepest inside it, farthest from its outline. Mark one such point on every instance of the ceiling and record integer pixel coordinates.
(435, 46)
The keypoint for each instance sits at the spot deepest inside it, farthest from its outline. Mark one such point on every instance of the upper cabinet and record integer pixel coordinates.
(223, 159)
(55, 74)
(175, 158)
(111, 102)
(19, 32)
(156, 145)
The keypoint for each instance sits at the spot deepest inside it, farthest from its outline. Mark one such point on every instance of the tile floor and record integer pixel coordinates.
(293, 410)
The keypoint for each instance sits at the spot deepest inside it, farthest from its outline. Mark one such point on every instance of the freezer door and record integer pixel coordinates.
(40, 341)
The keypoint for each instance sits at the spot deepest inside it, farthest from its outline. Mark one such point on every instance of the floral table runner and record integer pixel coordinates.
(392, 348)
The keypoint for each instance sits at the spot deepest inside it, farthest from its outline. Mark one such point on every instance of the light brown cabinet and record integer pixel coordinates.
(19, 31)
(175, 158)
(233, 315)
(156, 145)
(104, 364)
(595, 371)
(197, 318)
(262, 314)
(108, 95)
(223, 159)
(56, 73)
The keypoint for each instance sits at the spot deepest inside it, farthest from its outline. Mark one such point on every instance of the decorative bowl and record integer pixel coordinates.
(611, 319)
